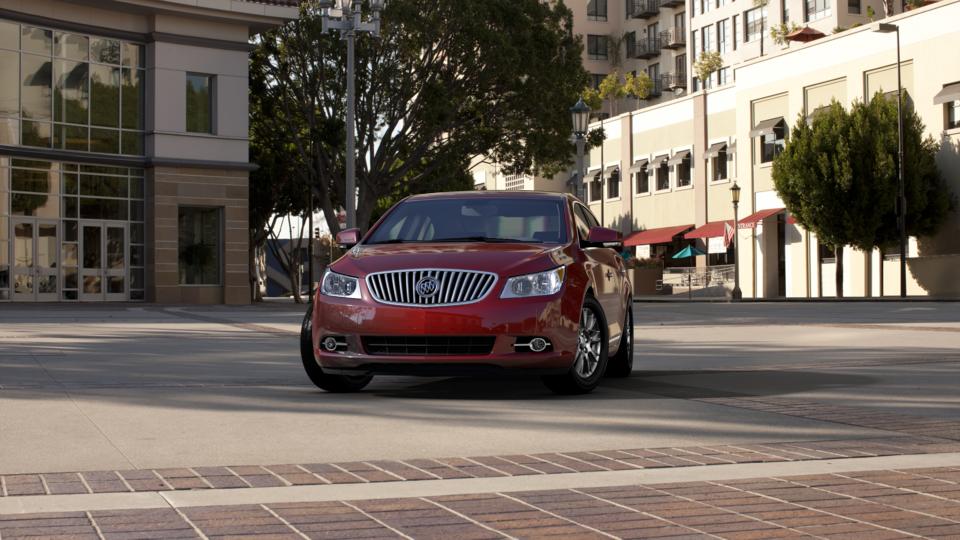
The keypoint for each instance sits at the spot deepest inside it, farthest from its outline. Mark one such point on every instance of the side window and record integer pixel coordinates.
(583, 224)
(591, 219)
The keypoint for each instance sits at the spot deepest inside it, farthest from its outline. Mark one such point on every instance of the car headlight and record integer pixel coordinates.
(539, 284)
(339, 285)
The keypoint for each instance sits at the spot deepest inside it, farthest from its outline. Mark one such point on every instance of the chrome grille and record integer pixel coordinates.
(452, 287)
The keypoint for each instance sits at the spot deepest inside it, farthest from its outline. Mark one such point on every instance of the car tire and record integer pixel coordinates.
(331, 383)
(621, 364)
(590, 360)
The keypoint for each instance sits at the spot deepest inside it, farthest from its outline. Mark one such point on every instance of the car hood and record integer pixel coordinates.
(504, 259)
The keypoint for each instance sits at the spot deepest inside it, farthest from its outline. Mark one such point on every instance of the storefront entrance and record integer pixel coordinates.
(35, 264)
(103, 261)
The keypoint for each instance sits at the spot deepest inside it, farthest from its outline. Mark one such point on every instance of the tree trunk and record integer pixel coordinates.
(296, 280)
(838, 253)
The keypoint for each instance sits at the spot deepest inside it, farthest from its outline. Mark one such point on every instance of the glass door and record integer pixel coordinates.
(115, 262)
(103, 262)
(91, 262)
(35, 264)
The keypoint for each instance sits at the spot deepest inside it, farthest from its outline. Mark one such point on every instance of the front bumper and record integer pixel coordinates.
(505, 319)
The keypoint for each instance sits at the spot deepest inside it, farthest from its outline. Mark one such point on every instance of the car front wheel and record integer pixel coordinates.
(590, 361)
(621, 364)
(325, 381)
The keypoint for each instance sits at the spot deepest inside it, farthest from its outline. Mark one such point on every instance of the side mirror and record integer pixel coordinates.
(348, 238)
(602, 236)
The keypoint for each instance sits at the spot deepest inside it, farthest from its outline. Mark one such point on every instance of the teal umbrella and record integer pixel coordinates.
(688, 251)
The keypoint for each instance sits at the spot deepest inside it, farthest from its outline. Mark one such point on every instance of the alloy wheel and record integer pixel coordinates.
(588, 344)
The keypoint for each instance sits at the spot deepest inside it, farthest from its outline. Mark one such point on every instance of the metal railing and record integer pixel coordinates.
(671, 81)
(644, 9)
(673, 38)
(705, 282)
(647, 48)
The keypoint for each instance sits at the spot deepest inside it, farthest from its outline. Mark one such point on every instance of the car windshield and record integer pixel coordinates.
(526, 220)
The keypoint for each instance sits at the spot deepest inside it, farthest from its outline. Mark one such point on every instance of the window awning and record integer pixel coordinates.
(710, 230)
(950, 92)
(661, 235)
(750, 222)
(658, 161)
(679, 157)
(610, 170)
(638, 165)
(714, 150)
(766, 127)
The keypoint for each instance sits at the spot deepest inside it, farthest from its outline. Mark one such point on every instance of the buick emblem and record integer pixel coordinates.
(427, 287)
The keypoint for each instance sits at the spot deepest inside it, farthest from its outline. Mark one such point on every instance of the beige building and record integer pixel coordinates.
(667, 170)
(123, 148)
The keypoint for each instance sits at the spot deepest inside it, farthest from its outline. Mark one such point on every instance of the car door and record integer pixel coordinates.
(606, 267)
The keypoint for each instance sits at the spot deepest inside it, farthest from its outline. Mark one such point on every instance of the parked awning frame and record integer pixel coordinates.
(766, 127)
(950, 92)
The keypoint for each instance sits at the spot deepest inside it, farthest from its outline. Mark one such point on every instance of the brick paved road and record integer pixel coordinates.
(166, 412)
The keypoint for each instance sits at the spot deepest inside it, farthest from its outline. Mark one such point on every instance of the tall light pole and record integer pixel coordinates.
(580, 114)
(736, 295)
(348, 24)
(888, 28)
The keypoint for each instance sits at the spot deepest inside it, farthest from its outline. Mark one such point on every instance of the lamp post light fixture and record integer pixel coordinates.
(736, 295)
(889, 28)
(349, 23)
(580, 114)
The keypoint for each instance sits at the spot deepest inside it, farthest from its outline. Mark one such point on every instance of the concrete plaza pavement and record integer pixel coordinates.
(98, 402)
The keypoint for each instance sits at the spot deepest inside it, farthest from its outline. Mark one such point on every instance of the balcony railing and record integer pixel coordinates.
(672, 81)
(647, 48)
(644, 9)
(674, 38)
(671, 3)
(657, 89)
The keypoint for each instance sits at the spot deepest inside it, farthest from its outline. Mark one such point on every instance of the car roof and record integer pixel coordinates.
(490, 195)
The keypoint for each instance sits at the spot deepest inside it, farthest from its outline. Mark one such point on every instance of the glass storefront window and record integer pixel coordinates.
(61, 84)
(199, 246)
(83, 215)
(199, 103)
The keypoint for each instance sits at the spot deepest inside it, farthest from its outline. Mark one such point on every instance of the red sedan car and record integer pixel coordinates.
(460, 283)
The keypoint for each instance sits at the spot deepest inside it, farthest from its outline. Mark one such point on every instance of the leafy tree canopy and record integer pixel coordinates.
(445, 81)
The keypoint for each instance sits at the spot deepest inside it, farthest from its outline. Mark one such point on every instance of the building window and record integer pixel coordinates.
(200, 105)
(663, 175)
(631, 39)
(723, 76)
(597, 10)
(684, 178)
(853, 6)
(596, 79)
(817, 9)
(705, 5)
(613, 185)
(755, 21)
(643, 180)
(596, 188)
(707, 44)
(953, 114)
(773, 143)
(694, 45)
(199, 245)
(596, 47)
(722, 33)
(69, 91)
(718, 165)
(785, 9)
(736, 31)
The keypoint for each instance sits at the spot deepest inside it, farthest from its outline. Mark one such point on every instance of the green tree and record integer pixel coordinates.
(639, 85)
(612, 89)
(706, 65)
(445, 81)
(838, 176)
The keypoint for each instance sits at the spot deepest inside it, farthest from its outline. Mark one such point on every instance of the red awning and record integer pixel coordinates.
(710, 230)
(655, 236)
(750, 222)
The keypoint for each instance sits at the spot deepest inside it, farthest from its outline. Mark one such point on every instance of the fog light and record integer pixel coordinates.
(538, 344)
(330, 343)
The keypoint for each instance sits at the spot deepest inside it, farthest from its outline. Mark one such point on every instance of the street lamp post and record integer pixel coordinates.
(736, 295)
(348, 24)
(580, 113)
(888, 28)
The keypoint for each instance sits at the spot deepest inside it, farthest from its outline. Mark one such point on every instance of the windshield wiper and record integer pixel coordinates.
(487, 239)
